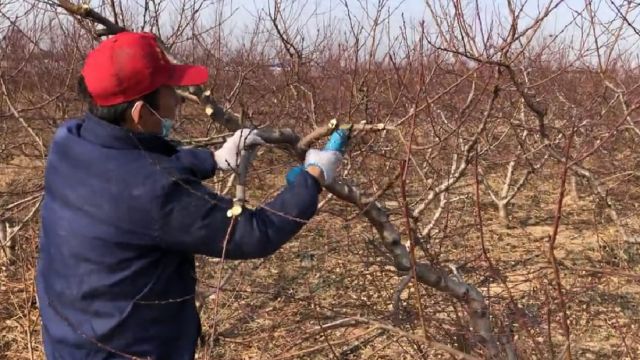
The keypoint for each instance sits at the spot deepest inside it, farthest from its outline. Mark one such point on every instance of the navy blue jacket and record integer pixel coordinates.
(122, 217)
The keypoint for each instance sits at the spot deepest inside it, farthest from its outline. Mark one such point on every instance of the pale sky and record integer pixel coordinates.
(415, 10)
(301, 13)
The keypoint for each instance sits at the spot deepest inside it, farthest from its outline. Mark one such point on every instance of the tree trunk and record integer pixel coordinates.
(573, 186)
(6, 244)
(503, 211)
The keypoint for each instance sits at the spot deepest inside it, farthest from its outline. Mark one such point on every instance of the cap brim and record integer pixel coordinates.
(188, 75)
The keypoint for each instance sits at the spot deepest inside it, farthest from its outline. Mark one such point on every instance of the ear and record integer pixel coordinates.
(136, 112)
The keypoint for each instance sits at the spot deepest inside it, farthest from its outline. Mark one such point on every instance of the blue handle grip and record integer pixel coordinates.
(338, 141)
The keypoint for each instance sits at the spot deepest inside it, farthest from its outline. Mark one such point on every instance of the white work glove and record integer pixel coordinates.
(327, 160)
(229, 155)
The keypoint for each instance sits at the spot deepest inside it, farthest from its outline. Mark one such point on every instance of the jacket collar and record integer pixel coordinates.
(108, 135)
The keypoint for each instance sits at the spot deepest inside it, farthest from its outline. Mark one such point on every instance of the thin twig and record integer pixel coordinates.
(552, 243)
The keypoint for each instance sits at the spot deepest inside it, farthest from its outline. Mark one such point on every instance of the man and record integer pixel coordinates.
(125, 211)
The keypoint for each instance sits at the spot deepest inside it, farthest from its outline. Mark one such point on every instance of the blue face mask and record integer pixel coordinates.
(167, 124)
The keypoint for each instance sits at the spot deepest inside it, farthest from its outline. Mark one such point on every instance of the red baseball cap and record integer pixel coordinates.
(130, 65)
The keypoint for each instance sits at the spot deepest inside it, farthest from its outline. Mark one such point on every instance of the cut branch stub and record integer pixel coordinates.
(85, 11)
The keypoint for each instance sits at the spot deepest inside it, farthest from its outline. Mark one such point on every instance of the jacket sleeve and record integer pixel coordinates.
(194, 219)
(199, 162)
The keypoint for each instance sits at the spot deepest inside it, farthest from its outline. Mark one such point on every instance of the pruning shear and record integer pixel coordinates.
(340, 136)
(338, 140)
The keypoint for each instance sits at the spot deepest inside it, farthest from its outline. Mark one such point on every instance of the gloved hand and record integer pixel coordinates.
(327, 159)
(229, 155)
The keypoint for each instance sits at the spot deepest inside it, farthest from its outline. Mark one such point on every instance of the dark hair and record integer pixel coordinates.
(114, 114)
